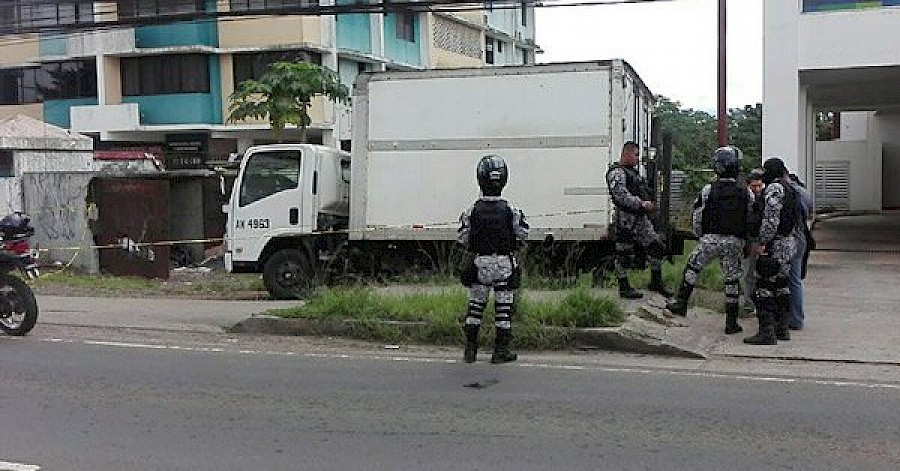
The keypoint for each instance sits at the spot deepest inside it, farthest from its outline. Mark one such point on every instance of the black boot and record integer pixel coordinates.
(766, 316)
(731, 319)
(501, 347)
(626, 291)
(471, 331)
(783, 317)
(680, 304)
(656, 283)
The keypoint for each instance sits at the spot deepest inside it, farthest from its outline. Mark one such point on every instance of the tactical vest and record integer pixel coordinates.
(725, 212)
(790, 211)
(635, 184)
(492, 228)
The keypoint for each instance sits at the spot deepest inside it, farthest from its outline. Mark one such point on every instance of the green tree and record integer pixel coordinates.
(745, 133)
(693, 133)
(827, 123)
(284, 93)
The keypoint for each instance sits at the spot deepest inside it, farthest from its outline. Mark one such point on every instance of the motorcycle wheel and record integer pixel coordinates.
(18, 308)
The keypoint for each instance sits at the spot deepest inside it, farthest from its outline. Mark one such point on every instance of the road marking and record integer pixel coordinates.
(550, 366)
(5, 466)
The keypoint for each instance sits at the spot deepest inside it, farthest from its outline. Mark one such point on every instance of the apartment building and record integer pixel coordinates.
(838, 57)
(164, 85)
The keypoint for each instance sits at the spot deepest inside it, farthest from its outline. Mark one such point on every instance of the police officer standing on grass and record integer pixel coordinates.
(492, 229)
(775, 249)
(721, 219)
(631, 224)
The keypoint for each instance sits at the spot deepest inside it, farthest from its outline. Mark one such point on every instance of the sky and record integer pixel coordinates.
(671, 44)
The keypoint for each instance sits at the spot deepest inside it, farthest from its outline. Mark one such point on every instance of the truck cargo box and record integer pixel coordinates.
(418, 135)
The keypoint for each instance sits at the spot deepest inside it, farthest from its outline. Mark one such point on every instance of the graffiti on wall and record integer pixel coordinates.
(57, 204)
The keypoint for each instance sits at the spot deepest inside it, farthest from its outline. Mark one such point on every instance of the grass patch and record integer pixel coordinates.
(440, 314)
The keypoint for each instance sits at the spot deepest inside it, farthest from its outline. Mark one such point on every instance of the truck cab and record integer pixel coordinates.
(283, 194)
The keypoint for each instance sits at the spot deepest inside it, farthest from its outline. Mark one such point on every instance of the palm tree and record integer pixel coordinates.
(284, 93)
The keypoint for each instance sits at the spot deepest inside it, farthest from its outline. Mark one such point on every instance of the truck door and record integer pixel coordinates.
(268, 201)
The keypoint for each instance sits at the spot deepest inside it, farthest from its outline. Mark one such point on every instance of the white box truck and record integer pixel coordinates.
(297, 209)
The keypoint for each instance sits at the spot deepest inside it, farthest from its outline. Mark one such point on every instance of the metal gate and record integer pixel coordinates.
(833, 184)
(132, 211)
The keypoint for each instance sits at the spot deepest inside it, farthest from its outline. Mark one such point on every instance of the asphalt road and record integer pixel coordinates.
(82, 399)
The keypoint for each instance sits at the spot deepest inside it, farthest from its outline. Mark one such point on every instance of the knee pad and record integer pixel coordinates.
(766, 266)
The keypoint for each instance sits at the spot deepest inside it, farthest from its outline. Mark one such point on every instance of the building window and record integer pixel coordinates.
(499, 47)
(265, 5)
(255, 65)
(130, 9)
(524, 14)
(19, 14)
(406, 26)
(488, 50)
(7, 168)
(268, 173)
(69, 79)
(19, 86)
(50, 81)
(162, 75)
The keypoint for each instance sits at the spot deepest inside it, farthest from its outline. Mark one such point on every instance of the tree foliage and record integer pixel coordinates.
(694, 134)
(284, 93)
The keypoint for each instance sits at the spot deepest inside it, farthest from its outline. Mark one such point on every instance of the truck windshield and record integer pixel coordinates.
(269, 172)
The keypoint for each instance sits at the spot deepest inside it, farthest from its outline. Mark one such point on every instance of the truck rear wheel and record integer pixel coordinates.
(288, 275)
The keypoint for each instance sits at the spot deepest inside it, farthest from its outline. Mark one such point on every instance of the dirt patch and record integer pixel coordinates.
(196, 283)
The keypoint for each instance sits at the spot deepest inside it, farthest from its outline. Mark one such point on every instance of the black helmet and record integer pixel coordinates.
(15, 225)
(727, 162)
(492, 175)
(774, 169)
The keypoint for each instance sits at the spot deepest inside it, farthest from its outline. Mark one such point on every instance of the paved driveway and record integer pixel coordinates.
(852, 295)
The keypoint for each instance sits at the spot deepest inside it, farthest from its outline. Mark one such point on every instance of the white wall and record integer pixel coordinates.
(863, 150)
(781, 86)
(851, 38)
(890, 131)
(854, 126)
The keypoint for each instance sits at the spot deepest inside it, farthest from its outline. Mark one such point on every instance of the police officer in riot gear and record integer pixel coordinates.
(492, 229)
(721, 219)
(631, 224)
(775, 248)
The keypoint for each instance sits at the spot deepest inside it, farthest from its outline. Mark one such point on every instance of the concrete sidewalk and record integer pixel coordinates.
(150, 313)
(852, 296)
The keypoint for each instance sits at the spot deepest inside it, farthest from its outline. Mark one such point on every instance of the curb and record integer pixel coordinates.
(636, 335)
(624, 339)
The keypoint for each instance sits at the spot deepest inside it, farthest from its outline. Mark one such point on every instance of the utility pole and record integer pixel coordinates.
(723, 108)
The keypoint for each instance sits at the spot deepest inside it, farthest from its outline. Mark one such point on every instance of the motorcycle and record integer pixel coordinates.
(18, 307)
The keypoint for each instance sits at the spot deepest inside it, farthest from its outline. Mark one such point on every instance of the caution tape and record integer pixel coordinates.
(126, 243)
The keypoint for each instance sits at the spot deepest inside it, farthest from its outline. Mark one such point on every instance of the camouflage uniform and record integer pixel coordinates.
(725, 243)
(631, 225)
(499, 271)
(729, 249)
(772, 289)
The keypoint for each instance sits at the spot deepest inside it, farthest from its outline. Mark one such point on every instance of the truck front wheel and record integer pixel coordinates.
(288, 275)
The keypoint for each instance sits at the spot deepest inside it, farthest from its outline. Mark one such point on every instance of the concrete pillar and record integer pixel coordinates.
(101, 80)
(874, 150)
(781, 83)
(244, 143)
